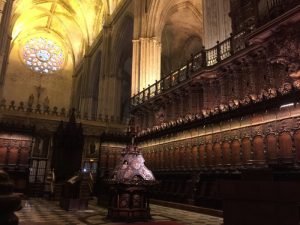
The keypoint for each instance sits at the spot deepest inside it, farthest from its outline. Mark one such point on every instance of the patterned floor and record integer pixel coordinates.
(42, 212)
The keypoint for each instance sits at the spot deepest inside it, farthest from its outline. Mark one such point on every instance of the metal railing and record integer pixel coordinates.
(204, 59)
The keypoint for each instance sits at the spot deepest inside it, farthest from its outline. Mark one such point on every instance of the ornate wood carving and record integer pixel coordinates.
(202, 156)
(258, 149)
(226, 153)
(272, 149)
(247, 150)
(209, 154)
(218, 154)
(235, 152)
(285, 146)
(296, 139)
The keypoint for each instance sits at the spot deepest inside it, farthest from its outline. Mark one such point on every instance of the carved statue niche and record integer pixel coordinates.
(160, 115)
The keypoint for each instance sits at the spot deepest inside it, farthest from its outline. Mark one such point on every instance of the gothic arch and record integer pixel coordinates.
(120, 42)
(179, 38)
(121, 64)
(159, 11)
(94, 82)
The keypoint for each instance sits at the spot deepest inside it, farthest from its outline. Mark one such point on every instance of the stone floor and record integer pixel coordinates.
(42, 212)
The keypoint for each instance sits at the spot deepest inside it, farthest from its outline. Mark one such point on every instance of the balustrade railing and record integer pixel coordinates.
(209, 57)
(205, 58)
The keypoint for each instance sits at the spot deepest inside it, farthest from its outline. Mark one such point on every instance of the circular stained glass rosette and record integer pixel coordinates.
(43, 55)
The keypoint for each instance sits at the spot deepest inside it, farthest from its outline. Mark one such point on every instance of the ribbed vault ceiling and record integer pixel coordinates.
(73, 23)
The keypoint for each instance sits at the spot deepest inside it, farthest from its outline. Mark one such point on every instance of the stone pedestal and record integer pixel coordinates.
(129, 202)
(9, 201)
(131, 180)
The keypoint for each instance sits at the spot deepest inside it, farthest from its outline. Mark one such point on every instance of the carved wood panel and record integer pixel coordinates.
(236, 150)
(226, 152)
(297, 144)
(271, 144)
(246, 148)
(218, 154)
(285, 145)
(195, 157)
(177, 157)
(258, 148)
(209, 154)
(202, 155)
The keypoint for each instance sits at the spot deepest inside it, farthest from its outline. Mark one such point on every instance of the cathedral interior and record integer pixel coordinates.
(203, 95)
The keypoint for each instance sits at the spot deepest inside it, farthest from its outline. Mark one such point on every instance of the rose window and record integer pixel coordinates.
(43, 55)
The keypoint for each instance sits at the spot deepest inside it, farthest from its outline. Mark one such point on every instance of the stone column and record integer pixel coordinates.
(84, 101)
(5, 38)
(217, 23)
(104, 87)
(146, 62)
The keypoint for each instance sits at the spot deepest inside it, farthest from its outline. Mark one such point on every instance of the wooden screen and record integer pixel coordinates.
(14, 157)
(14, 150)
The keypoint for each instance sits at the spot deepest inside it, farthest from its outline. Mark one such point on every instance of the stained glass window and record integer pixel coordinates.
(43, 55)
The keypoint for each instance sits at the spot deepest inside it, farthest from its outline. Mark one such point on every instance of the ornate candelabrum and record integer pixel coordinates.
(129, 187)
